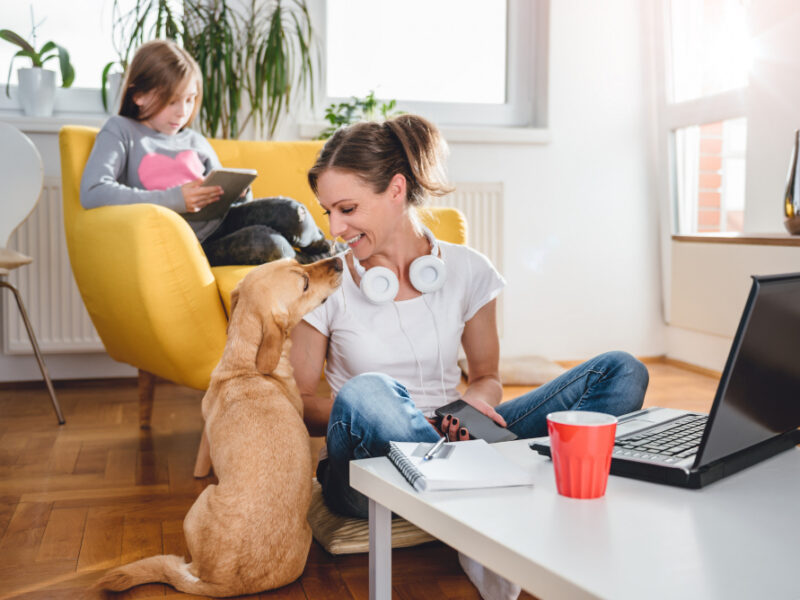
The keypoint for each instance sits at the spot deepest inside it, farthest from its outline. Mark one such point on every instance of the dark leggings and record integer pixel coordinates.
(264, 230)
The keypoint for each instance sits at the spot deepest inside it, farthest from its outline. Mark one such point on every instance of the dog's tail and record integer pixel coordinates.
(165, 568)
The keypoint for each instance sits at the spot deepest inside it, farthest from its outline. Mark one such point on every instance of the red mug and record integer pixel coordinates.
(581, 443)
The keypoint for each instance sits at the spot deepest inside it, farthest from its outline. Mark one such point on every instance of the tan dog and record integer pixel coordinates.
(249, 533)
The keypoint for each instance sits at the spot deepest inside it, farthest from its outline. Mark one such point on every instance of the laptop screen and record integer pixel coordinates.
(759, 393)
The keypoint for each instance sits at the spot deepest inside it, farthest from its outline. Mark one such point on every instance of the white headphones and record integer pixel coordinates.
(427, 274)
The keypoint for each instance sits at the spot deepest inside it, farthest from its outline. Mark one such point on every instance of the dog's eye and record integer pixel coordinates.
(305, 282)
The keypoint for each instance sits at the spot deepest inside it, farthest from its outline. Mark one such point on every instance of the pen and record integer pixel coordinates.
(430, 453)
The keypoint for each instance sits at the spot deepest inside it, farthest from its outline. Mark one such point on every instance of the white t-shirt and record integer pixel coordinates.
(400, 338)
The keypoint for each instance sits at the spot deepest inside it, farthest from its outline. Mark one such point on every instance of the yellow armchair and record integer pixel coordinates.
(152, 296)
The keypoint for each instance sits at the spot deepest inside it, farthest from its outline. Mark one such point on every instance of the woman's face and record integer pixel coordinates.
(362, 218)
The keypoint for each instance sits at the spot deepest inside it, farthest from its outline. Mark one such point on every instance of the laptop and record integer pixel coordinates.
(756, 410)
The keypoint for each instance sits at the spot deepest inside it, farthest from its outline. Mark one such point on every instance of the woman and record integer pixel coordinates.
(391, 364)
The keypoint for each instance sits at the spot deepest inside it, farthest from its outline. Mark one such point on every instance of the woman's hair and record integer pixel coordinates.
(164, 67)
(376, 152)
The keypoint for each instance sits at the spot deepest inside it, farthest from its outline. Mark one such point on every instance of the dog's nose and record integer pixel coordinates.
(338, 264)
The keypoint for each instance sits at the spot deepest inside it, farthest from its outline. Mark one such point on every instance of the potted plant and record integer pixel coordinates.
(256, 58)
(368, 108)
(146, 20)
(37, 85)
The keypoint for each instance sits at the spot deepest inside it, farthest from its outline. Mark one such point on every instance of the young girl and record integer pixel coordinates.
(148, 154)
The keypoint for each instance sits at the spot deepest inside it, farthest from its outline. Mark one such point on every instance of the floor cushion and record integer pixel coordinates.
(348, 535)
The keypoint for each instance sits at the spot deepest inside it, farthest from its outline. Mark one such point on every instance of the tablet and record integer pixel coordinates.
(233, 183)
(478, 424)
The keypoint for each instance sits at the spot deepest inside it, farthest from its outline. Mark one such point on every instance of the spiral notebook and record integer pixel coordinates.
(456, 466)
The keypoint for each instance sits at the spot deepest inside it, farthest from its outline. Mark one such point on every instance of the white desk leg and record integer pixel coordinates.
(380, 552)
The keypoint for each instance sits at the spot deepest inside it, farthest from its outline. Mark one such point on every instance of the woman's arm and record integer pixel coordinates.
(482, 347)
(309, 348)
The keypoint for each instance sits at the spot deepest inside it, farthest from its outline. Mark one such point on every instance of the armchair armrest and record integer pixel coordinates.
(149, 290)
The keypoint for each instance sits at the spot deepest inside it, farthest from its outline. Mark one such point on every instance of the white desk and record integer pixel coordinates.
(737, 538)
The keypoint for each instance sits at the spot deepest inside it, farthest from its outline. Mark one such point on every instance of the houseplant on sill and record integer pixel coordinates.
(368, 108)
(37, 85)
(256, 57)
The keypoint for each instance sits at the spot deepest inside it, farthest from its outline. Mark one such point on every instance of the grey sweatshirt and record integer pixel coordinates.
(132, 163)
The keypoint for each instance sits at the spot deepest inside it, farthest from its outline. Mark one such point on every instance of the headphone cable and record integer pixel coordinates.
(438, 347)
(411, 345)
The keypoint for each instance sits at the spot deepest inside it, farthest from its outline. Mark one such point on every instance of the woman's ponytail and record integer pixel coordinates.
(375, 152)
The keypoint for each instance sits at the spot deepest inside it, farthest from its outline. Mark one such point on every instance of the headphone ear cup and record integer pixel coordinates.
(427, 273)
(379, 285)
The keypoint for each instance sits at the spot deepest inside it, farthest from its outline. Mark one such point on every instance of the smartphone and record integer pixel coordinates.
(478, 424)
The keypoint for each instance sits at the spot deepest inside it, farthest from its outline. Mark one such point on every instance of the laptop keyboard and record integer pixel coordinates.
(667, 443)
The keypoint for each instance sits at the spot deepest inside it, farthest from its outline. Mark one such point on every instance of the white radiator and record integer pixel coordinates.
(56, 310)
(54, 306)
(482, 205)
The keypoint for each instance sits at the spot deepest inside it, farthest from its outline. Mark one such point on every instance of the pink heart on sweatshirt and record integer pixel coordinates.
(161, 172)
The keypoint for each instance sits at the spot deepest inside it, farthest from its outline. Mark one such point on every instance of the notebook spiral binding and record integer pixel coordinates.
(406, 467)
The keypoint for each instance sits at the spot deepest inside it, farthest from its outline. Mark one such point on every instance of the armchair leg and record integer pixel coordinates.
(36, 351)
(202, 465)
(147, 383)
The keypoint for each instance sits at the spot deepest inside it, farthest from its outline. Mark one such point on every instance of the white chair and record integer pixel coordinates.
(22, 175)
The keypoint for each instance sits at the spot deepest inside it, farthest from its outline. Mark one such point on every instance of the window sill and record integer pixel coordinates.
(752, 239)
(52, 124)
(463, 134)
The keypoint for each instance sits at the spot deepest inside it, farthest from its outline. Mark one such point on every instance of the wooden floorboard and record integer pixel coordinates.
(99, 492)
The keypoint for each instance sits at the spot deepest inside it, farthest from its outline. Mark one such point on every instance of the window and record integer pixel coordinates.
(475, 72)
(476, 62)
(707, 56)
(84, 31)
(710, 164)
(710, 47)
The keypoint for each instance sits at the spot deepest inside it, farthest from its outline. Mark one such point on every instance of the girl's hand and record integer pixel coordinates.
(196, 196)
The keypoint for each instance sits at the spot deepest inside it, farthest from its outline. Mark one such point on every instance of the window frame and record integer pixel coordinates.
(722, 106)
(668, 117)
(526, 76)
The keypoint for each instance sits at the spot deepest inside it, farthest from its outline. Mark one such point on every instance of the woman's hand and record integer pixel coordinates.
(451, 426)
(196, 196)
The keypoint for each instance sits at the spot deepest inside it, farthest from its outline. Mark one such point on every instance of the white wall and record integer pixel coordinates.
(581, 248)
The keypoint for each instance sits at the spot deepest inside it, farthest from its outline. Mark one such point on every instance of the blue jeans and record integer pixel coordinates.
(371, 409)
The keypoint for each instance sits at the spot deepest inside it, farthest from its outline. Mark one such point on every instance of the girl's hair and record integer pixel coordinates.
(164, 67)
(376, 152)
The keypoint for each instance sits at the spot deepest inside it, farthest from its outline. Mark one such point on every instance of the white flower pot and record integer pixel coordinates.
(114, 89)
(37, 91)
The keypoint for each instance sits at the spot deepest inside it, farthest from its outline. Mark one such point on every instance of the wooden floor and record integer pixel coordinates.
(98, 492)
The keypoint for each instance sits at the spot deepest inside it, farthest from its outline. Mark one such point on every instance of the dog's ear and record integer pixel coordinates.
(273, 337)
(234, 301)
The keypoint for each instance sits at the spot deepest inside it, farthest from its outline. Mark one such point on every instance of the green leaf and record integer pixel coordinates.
(67, 70)
(104, 84)
(12, 37)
